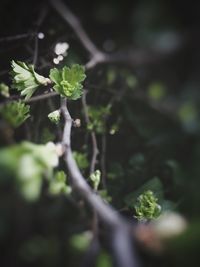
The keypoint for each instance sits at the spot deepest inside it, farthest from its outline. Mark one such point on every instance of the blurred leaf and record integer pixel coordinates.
(58, 184)
(104, 194)
(4, 90)
(46, 136)
(186, 244)
(81, 160)
(156, 91)
(188, 115)
(111, 76)
(15, 112)
(81, 241)
(97, 117)
(104, 260)
(28, 163)
(95, 178)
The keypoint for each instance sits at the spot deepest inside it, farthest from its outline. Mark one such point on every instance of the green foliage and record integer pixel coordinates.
(129, 78)
(154, 185)
(111, 76)
(95, 178)
(4, 90)
(81, 241)
(147, 207)
(104, 260)
(188, 114)
(25, 79)
(54, 116)
(97, 117)
(156, 91)
(46, 136)
(15, 112)
(27, 163)
(104, 194)
(68, 81)
(81, 160)
(152, 137)
(58, 184)
(186, 244)
(39, 247)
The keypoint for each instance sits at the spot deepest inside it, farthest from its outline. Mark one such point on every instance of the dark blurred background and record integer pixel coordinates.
(157, 119)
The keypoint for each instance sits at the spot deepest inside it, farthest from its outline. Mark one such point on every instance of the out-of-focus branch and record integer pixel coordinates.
(95, 150)
(16, 37)
(74, 22)
(118, 229)
(131, 57)
(42, 14)
(103, 159)
(41, 97)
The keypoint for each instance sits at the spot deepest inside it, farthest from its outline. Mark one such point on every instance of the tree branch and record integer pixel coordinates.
(75, 24)
(121, 245)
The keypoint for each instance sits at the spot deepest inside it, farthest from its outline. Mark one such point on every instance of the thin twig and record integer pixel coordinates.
(32, 99)
(41, 97)
(103, 159)
(17, 37)
(95, 150)
(35, 54)
(95, 241)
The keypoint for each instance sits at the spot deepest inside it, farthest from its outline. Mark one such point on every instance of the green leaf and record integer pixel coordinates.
(54, 116)
(96, 178)
(27, 163)
(97, 117)
(104, 194)
(15, 113)
(154, 185)
(104, 260)
(46, 135)
(68, 81)
(81, 160)
(56, 76)
(156, 91)
(25, 79)
(81, 241)
(4, 90)
(147, 207)
(58, 184)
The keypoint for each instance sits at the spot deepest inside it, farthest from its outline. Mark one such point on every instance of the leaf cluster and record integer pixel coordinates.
(15, 113)
(29, 162)
(81, 159)
(147, 207)
(25, 79)
(97, 117)
(68, 81)
(4, 90)
(58, 184)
